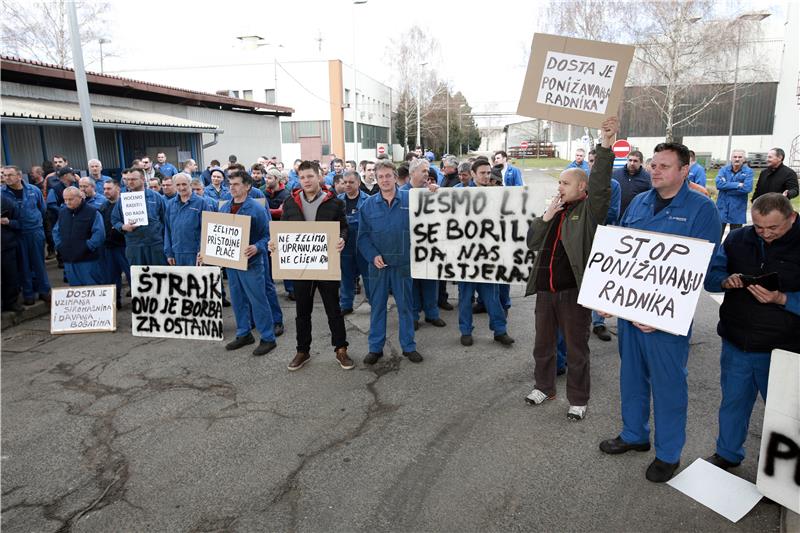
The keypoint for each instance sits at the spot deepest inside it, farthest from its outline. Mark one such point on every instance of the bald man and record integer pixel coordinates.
(78, 234)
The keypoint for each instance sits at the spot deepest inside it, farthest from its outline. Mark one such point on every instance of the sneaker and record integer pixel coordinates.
(447, 306)
(602, 333)
(278, 329)
(438, 322)
(661, 472)
(504, 339)
(576, 412)
(238, 342)
(372, 358)
(720, 462)
(466, 340)
(264, 347)
(299, 360)
(537, 397)
(344, 360)
(414, 356)
(347, 311)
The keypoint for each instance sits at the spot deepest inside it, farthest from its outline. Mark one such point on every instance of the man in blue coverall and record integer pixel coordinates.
(182, 224)
(383, 240)
(697, 173)
(353, 263)
(734, 182)
(30, 251)
(426, 291)
(754, 319)
(248, 295)
(653, 360)
(489, 293)
(79, 234)
(144, 245)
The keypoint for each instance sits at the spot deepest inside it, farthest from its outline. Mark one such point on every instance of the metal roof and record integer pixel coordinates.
(34, 110)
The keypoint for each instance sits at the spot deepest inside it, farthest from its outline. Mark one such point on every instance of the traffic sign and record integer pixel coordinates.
(381, 149)
(524, 145)
(621, 148)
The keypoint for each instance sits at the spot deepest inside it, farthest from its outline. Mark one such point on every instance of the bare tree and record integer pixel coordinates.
(40, 30)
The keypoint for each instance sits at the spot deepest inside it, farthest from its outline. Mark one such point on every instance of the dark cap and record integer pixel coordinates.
(64, 171)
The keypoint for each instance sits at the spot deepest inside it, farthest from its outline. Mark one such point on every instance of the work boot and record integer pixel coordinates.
(504, 339)
(344, 360)
(720, 462)
(278, 329)
(299, 360)
(602, 333)
(347, 311)
(264, 347)
(478, 309)
(466, 340)
(438, 322)
(617, 446)
(661, 472)
(238, 342)
(447, 306)
(414, 356)
(372, 358)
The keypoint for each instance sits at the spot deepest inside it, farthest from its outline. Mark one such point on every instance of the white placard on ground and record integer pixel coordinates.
(651, 278)
(134, 208)
(720, 491)
(87, 309)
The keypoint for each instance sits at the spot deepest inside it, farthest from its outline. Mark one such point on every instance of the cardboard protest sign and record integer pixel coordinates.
(223, 239)
(647, 277)
(134, 208)
(86, 309)
(176, 302)
(779, 462)
(574, 81)
(305, 250)
(260, 201)
(471, 234)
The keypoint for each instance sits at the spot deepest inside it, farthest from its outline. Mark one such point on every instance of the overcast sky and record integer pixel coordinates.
(483, 44)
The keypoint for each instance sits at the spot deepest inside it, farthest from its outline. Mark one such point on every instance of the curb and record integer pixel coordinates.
(10, 318)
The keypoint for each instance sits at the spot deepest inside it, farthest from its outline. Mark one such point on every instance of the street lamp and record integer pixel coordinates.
(355, 95)
(102, 42)
(256, 41)
(755, 17)
(419, 97)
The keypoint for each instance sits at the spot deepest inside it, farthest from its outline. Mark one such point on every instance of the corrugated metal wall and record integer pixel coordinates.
(246, 135)
(25, 146)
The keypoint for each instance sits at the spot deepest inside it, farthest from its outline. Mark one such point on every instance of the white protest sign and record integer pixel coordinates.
(651, 278)
(303, 250)
(473, 234)
(577, 82)
(134, 208)
(223, 239)
(83, 309)
(176, 302)
(779, 462)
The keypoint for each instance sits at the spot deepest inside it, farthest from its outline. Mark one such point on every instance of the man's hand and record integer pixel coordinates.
(767, 297)
(340, 245)
(129, 227)
(379, 262)
(555, 206)
(608, 131)
(643, 328)
(734, 281)
(199, 260)
(604, 314)
(785, 193)
(272, 247)
(433, 187)
(171, 261)
(4, 221)
(250, 251)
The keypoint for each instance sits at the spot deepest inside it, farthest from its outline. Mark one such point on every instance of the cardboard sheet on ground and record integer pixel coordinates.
(305, 250)
(178, 302)
(574, 81)
(87, 309)
(720, 491)
(779, 462)
(647, 277)
(134, 208)
(475, 234)
(224, 238)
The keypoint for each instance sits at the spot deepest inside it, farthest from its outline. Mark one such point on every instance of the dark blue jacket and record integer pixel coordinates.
(31, 209)
(631, 185)
(9, 210)
(79, 233)
(153, 233)
(352, 218)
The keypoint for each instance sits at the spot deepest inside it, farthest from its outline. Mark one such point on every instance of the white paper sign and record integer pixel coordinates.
(134, 208)
(720, 491)
(223, 241)
(779, 462)
(303, 250)
(176, 302)
(475, 234)
(83, 309)
(576, 82)
(651, 278)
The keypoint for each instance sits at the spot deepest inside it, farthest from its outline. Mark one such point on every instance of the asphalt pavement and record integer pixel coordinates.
(110, 432)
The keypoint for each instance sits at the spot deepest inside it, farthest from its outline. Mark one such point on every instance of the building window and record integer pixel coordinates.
(348, 131)
(292, 131)
(269, 96)
(347, 97)
(247, 94)
(235, 94)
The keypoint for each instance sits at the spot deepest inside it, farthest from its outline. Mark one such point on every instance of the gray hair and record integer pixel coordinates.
(416, 163)
(466, 166)
(450, 161)
(182, 175)
(94, 161)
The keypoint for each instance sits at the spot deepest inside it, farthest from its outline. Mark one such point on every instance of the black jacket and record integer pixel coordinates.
(749, 325)
(8, 236)
(778, 179)
(330, 210)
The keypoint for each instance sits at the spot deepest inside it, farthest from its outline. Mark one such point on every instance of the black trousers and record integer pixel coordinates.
(304, 300)
(10, 277)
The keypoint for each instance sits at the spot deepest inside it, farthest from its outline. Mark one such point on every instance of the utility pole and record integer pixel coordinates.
(81, 85)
